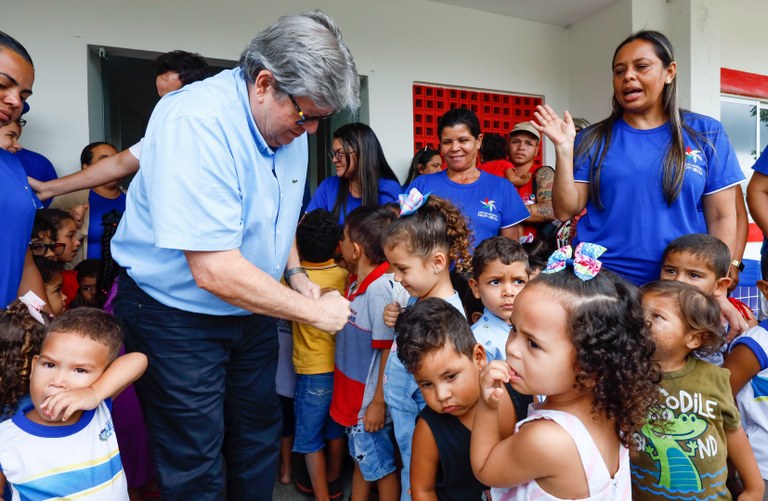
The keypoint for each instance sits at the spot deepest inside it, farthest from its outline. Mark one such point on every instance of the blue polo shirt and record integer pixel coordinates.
(636, 224)
(208, 182)
(325, 196)
(490, 203)
(17, 205)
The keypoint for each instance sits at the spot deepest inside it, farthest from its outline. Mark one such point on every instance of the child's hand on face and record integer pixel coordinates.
(61, 406)
(492, 377)
(374, 417)
(391, 312)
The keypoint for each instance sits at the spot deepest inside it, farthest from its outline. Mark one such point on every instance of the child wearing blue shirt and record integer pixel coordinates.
(499, 273)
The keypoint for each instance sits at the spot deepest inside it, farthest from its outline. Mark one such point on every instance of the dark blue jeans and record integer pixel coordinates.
(209, 388)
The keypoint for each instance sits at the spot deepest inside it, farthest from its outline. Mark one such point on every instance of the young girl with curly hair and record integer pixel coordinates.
(430, 236)
(20, 339)
(577, 338)
(684, 447)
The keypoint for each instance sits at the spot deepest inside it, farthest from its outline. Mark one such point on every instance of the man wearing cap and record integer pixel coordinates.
(206, 236)
(524, 144)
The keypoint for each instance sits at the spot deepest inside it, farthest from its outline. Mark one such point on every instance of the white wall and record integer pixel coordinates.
(591, 44)
(743, 36)
(395, 42)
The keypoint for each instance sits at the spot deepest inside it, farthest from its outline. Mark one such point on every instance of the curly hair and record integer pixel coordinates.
(698, 311)
(21, 337)
(426, 327)
(612, 345)
(494, 147)
(318, 235)
(437, 224)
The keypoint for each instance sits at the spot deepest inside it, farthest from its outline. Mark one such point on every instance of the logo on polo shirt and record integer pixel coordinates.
(489, 205)
(692, 158)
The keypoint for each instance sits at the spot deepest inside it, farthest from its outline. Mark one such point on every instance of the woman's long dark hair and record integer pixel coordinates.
(360, 139)
(596, 139)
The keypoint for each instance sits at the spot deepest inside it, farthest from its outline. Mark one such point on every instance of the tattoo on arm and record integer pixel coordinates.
(545, 177)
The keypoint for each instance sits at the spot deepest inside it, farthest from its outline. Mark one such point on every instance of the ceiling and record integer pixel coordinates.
(557, 12)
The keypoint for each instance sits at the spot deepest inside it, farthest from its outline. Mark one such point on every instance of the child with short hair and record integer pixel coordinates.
(430, 236)
(578, 338)
(64, 444)
(317, 238)
(499, 273)
(52, 273)
(684, 446)
(439, 349)
(703, 261)
(362, 348)
(747, 359)
(87, 276)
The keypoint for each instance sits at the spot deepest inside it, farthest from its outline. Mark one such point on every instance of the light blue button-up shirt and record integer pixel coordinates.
(208, 182)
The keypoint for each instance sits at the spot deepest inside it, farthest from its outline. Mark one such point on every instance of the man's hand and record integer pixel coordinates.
(332, 312)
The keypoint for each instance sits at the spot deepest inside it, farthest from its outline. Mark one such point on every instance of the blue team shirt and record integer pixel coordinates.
(98, 206)
(325, 196)
(208, 182)
(490, 203)
(636, 223)
(17, 205)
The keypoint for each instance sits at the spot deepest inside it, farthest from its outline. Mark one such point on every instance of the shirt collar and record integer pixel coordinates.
(242, 91)
(494, 320)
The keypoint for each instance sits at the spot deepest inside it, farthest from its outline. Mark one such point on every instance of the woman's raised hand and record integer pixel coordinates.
(559, 130)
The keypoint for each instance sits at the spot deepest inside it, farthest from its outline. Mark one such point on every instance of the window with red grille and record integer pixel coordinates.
(497, 112)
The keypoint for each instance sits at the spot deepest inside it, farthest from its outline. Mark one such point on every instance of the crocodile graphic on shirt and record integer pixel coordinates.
(664, 436)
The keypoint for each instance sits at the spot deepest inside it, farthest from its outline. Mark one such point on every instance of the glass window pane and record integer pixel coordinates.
(739, 123)
(763, 126)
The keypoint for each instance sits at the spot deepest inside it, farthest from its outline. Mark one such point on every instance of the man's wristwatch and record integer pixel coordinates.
(738, 265)
(293, 271)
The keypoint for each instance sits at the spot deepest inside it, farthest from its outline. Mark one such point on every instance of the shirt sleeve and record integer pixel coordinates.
(729, 411)
(380, 295)
(580, 164)
(193, 192)
(761, 165)
(325, 195)
(514, 211)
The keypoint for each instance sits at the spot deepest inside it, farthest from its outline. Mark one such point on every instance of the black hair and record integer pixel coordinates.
(494, 147)
(88, 268)
(86, 156)
(538, 254)
(190, 66)
(10, 43)
(459, 116)
(364, 226)
(317, 236)
(359, 139)
(421, 158)
(42, 227)
(109, 267)
(698, 311)
(499, 248)
(426, 327)
(55, 218)
(613, 347)
(710, 249)
(48, 268)
(91, 323)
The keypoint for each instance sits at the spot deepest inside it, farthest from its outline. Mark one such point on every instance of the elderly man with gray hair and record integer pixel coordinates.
(207, 233)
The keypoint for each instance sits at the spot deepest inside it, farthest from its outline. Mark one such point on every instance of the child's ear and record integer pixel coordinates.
(477, 315)
(694, 340)
(357, 250)
(762, 286)
(475, 289)
(478, 356)
(439, 261)
(721, 286)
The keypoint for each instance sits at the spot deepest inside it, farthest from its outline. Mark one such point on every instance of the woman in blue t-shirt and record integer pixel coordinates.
(648, 173)
(363, 176)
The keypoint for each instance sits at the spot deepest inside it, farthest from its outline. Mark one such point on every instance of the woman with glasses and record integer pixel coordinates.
(363, 176)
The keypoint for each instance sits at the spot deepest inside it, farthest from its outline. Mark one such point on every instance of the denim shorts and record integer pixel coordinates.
(374, 453)
(312, 404)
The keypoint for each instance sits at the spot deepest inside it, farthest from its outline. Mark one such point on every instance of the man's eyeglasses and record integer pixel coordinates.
(304, 118)
(39, 248)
